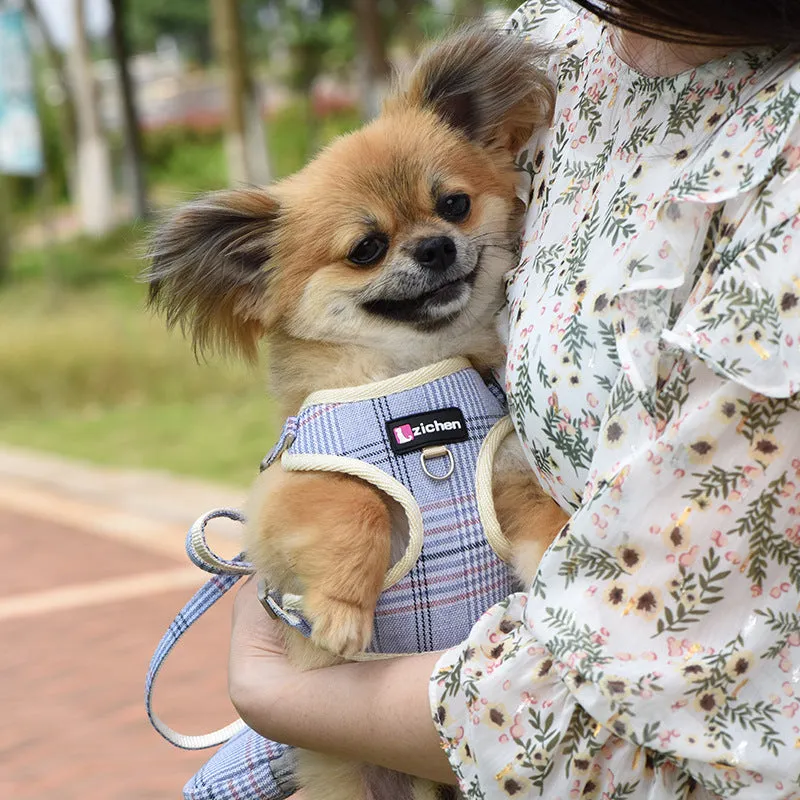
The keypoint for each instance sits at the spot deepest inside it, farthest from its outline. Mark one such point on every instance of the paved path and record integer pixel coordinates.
(92, 574)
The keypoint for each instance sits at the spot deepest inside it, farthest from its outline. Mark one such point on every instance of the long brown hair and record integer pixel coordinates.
(706, 22)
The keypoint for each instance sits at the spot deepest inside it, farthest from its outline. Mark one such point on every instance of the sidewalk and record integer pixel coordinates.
(94, 571)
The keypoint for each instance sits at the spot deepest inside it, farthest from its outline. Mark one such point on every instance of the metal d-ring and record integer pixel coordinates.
(437, 452)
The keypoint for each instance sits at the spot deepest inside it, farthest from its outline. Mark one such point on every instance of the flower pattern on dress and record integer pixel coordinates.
(653, 374)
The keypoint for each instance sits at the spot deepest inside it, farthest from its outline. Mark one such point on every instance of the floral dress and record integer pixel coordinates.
(653, 375)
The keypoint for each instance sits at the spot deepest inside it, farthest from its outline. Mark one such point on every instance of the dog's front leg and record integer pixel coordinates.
(325, 536)
(528, 516)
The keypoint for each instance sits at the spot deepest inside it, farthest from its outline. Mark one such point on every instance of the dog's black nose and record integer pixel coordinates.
(438, 252)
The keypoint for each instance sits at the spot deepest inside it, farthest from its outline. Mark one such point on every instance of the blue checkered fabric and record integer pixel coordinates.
(248, 767)
(458, 575)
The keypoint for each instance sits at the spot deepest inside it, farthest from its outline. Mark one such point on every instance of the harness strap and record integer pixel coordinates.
(288, 435)
(287, 608)
(226, 574)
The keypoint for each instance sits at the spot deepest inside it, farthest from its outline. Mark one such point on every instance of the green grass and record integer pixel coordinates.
(87, 372)
(80, 263)
(221, 439)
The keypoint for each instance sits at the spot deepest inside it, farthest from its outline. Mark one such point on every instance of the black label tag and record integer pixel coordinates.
(424, 430)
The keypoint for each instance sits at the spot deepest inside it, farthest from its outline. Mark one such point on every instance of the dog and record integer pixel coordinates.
(385, 254)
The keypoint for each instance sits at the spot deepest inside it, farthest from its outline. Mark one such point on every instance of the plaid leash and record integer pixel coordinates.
(248, 766)
(226, 574)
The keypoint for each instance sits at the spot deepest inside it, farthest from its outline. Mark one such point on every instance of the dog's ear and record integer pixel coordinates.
(211, 266)
(486, 83)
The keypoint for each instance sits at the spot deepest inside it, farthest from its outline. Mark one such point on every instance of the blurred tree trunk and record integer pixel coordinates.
(134, 155)
(245, 141)
(66, 112)
(95, 186)
(374, 62)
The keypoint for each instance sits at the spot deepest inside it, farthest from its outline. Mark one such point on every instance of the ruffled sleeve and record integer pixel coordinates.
(512, 727)
(657, 653)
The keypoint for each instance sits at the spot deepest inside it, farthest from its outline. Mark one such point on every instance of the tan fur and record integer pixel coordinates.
(332, 778)
(528, 517)
(325, 536)
(503, 121)
(239, 266)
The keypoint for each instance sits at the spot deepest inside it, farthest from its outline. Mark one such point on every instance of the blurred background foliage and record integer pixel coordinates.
(85, 369)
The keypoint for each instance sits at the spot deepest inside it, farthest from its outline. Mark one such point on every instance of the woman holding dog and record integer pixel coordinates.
(653, 375)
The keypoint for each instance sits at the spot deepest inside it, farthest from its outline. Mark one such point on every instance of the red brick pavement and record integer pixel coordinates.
(51, 555)
(71, 681)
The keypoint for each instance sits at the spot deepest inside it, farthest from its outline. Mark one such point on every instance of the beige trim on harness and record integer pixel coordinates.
(483, 487)
(483, 490)
(378, 478)
(400, 383)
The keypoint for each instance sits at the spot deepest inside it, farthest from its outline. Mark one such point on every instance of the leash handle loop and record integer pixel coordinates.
(226, 574)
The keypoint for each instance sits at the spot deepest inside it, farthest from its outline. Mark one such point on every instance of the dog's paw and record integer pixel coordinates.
(337, 626)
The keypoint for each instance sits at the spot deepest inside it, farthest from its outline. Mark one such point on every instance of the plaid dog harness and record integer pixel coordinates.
(427, 440)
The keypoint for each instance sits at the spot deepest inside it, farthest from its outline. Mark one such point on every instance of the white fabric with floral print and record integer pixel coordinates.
(653, 371)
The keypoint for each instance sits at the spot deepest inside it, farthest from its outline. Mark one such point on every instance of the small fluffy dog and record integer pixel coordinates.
(383, 255)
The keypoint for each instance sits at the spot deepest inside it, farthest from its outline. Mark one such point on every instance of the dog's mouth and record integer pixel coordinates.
(433, 308)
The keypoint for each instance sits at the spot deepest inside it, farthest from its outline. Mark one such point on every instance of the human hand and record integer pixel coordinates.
(253, 629)
(376, 711)
(257, 661)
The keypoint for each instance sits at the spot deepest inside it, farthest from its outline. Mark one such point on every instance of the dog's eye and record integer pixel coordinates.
(369, 250)
(453, 207)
